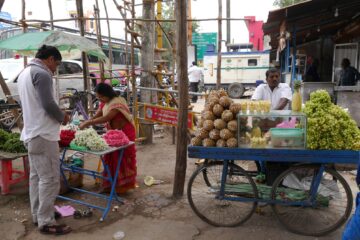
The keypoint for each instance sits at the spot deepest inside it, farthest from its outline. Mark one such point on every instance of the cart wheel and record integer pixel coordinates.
(232, 170)
(203, 200)
(328, 212)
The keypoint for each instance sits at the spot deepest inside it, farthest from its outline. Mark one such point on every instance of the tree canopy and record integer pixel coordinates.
(285, 3)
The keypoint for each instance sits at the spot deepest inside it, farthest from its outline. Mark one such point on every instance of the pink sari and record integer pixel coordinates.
(127, 176)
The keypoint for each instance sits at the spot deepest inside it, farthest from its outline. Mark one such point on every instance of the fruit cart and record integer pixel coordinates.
(310, 198)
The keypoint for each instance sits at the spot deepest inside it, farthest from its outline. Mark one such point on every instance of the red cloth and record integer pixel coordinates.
(127, 176)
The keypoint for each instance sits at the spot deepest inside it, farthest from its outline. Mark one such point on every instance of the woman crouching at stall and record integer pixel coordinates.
(114, 111)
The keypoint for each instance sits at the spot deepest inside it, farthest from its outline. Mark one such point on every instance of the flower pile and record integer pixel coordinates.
(116, 138)
(66, 136)
(90, 139)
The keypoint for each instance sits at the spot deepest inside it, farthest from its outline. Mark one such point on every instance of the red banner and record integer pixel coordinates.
(164, 115)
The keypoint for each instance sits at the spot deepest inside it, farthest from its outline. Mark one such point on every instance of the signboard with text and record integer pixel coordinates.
(164, 115)
(201, 40)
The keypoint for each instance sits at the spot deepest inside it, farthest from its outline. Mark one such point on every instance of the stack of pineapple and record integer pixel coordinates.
(218, 124)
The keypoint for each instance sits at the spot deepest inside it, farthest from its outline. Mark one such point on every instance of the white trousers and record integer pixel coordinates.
(44, 179)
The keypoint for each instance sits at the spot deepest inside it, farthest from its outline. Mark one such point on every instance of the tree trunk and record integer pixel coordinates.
(147, 62)
(1, 4)
(109, 35)
(99, 38)
(80, 13)
(218, 70)
(182, 77)
(24, 28)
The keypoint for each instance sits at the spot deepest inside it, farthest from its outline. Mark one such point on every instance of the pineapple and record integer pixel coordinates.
(296, 99)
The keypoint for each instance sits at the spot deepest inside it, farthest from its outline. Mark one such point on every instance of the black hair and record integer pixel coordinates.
(105, 90)
(45, 51)
(272, 70)
(345, 63)
(194, 63)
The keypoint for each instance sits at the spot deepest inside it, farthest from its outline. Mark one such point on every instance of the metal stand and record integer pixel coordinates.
(112, 179)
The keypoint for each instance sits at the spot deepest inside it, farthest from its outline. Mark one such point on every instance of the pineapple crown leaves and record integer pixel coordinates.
(297, 84)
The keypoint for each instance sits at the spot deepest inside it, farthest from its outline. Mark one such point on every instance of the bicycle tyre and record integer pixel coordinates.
(220, 212)
(313, 220)
(219, 162)
(67, 103)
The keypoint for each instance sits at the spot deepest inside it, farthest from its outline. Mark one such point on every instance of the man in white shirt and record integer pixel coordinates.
(194, 74)
(42, 119)
(279, 94)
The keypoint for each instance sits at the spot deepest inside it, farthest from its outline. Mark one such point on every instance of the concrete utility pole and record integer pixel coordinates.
(182, 77)
(228, 24)
(218, 71)
(147, 62)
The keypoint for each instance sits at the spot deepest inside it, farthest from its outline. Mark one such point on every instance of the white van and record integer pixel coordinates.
(70, 75)
(239, 70)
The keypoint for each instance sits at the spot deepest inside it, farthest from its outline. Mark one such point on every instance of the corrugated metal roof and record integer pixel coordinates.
(311, 19)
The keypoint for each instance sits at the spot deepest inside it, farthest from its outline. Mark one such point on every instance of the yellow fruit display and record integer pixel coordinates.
(256, 132)
(258, 142)
(296, 98)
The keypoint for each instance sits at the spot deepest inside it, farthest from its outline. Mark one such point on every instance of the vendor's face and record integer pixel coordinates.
(102, 98)
(273, 79)
(52, 63)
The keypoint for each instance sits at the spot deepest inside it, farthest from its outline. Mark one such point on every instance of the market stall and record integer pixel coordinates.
(349, 97)
(89, 142)
(309, 197)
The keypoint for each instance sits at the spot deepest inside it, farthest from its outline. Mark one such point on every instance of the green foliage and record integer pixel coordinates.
(285, 3)
(169, 28)
(10, 142)
(329, 126)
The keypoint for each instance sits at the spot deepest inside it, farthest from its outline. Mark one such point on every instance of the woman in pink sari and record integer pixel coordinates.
(115, 113)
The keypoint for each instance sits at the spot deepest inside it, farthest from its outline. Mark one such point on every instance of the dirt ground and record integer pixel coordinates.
(148, 212)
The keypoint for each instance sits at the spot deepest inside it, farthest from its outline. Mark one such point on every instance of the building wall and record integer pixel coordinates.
(256, 34)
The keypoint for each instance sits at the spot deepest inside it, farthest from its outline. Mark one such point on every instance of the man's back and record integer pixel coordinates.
(349, 76)
(37, 121)
(194, 73)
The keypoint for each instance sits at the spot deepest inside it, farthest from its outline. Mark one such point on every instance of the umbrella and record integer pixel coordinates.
(69, 45)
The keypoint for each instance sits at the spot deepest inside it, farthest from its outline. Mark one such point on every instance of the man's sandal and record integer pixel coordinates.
(55, 229)
(57, 215)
